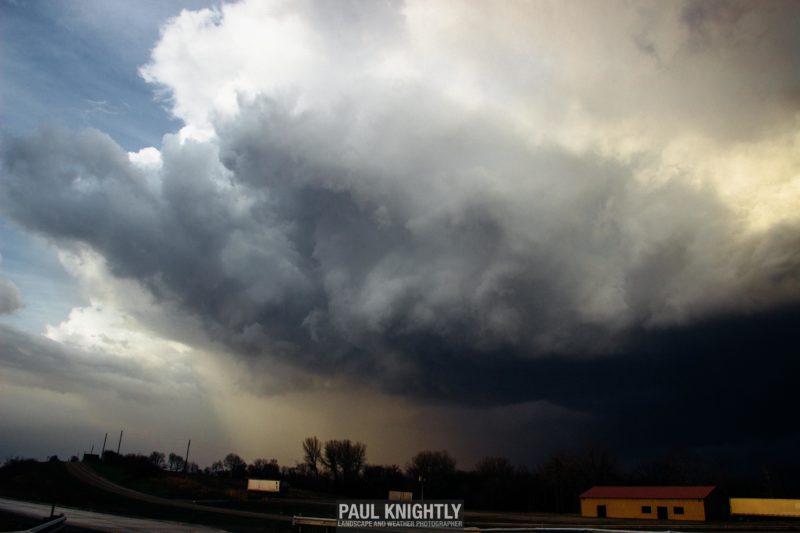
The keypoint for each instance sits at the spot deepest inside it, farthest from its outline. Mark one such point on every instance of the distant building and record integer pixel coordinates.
(765, 507)
(654, 503)
(400, 496)
(91, 458)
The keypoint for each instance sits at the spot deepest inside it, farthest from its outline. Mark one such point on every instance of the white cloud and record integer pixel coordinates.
(147, 158)
(668, 85)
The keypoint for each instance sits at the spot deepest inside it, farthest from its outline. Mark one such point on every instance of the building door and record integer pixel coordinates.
(601, 511)
(662, 513)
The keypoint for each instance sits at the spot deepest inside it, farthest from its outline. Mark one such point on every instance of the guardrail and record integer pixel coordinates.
(330, 524)
(559, 530)
(300, 521)
(56, 524)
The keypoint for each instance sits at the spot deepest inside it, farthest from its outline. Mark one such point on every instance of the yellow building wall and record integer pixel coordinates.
(765, 507)
(632, 508)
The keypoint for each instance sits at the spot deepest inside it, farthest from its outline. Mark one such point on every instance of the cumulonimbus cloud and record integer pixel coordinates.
(351, 191)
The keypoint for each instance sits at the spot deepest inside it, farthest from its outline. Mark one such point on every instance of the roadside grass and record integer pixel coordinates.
(166, 484)
(51, 483)
(216, 492)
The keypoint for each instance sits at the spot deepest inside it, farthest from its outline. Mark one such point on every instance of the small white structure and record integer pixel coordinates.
(264, 485)
(400, 496)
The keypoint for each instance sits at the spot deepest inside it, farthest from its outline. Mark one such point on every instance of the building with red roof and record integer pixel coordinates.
(654, 503)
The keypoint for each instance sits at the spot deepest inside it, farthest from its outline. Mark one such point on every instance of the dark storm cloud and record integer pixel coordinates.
(719, 382)
(300, 252)
(393, 236)
(293, 250)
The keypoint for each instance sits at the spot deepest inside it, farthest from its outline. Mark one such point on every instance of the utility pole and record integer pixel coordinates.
(186, 461)
(119, 445)
(104, 445)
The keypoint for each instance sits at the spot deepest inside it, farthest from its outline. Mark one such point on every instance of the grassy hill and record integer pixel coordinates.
(50, 482)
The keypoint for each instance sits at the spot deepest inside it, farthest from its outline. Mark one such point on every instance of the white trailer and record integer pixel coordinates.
(264, 485)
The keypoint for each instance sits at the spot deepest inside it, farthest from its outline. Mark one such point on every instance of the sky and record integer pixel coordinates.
(492, 228)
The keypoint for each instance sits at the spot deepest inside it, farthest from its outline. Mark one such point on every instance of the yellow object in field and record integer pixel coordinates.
(765, 507)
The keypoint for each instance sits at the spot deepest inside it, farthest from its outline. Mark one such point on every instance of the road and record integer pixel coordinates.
(104, 522)
(87, 475)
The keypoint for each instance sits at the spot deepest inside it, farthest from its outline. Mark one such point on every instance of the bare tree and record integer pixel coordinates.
(312, 454)
(175, 462)
(494, 467)
(330, 458)
(157, 458)
(434, 470)
(235, 465)
(430, 464)
(354, 455)
(344, 459)
(217, 468)
(496, 483)
(263, 468)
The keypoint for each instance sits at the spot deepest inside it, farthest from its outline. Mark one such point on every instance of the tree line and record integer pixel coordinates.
(340, 468)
